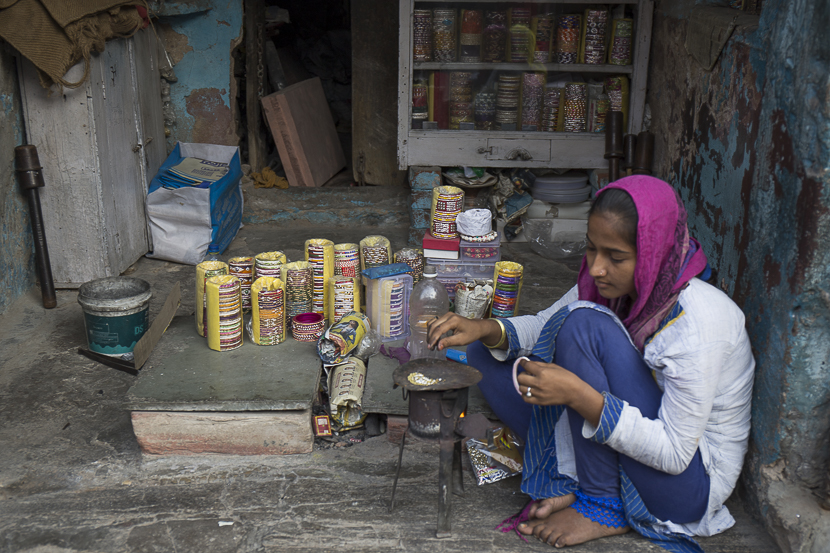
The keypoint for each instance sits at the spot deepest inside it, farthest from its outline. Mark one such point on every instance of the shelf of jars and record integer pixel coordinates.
(518, 84)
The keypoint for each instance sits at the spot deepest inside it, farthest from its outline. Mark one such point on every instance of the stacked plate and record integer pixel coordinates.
(268, 264)
(243, 269)
(568, 188)
(346, 260)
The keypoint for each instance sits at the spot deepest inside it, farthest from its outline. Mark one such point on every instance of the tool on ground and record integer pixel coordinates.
(630, 147)
(644, 154)
(30, 179)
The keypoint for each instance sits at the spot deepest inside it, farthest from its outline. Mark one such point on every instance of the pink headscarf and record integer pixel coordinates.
(667, 258)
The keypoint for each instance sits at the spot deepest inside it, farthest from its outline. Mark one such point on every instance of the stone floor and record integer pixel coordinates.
(73, 479)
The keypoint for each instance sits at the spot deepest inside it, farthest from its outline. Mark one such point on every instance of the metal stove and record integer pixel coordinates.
(437, 391)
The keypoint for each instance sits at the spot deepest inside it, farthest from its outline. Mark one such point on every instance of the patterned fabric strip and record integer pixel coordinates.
(611, 412)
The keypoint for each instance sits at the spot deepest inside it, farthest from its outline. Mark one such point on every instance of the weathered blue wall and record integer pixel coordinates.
(747, 146)
(17, 264)
(200, 37)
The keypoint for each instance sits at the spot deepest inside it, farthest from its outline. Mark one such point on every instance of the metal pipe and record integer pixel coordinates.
(30, 179)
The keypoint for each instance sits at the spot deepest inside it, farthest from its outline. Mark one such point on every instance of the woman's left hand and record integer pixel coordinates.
(551, 384)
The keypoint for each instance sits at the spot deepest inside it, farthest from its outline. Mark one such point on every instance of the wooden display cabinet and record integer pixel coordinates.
(522, 147)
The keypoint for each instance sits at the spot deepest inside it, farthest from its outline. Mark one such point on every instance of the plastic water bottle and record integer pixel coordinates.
(212, 253)
(428, 301)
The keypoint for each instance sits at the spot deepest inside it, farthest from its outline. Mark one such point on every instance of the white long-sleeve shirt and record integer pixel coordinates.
(703, 363)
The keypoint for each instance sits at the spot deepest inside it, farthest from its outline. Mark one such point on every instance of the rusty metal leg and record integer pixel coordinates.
(444, 487)
(457, 474)
(397, 472)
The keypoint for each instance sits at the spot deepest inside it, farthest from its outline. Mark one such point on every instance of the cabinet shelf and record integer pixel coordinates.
(506, 66)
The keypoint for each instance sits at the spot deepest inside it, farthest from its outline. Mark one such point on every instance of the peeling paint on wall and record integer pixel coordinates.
(748, 147)
(17, 264)
(203, 100)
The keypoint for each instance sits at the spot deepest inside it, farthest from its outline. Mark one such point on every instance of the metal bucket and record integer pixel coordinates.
(116, 313)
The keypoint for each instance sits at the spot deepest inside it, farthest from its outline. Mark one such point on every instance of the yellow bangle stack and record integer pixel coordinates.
(500, 343)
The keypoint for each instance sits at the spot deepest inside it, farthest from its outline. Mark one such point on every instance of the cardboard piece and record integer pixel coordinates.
(145, 346)
(303, 129)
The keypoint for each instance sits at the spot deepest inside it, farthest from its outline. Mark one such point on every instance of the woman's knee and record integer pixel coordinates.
(586, 322)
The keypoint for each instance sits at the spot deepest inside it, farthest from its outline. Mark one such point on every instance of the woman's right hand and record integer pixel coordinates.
(464, 331)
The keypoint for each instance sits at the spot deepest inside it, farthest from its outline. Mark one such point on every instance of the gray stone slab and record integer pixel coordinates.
(379, 397)
(184, 374)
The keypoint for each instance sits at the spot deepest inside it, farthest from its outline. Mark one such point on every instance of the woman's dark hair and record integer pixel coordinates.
(619, 203)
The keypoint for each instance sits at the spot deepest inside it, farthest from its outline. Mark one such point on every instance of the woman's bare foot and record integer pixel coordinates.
(568, 527)
(545, 507)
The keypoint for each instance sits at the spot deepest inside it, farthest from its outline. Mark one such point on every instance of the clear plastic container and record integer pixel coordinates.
(428, 301)
(480, 251)
(387, 305)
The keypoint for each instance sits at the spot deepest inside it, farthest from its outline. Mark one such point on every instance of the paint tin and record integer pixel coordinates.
(116, 313)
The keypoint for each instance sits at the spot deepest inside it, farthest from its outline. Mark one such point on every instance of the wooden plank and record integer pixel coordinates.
(199, 433)
(374, 92)
(639, 79)
(405, 83)
(550, 67)
(303, 129)
(254, 76)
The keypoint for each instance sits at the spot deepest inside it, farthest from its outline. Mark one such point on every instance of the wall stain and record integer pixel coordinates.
(213, 123)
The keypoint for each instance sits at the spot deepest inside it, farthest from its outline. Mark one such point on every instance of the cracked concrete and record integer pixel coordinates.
(73, 479)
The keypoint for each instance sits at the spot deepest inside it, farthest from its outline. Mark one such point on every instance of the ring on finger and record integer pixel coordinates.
(528, 394)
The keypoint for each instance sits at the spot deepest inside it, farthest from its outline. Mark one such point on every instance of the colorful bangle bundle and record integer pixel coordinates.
(532, 93)
(346, 260)
(507, 99)
(307, 327)
(268, 264)
(414, 257)
(224, 304)
(375, 251)
(461, 98)
(320, 255)
(447, 203)
(422, 35)
(204, 271)
(485, 111)
(576, 103)
(494, 36)
(543, 25)
(471, 25)
(520, 35)
(243, 269)
(508, 283)
(344, 297)
(596, 25)
(268, 316)
(444, 35)
(621, 33)
(567, 38)
(550, 111)
(393, 322)
(298, 279)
